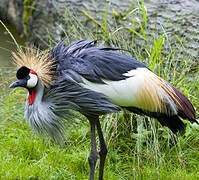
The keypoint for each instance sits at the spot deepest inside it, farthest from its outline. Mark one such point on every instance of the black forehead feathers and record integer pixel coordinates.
(22, 72)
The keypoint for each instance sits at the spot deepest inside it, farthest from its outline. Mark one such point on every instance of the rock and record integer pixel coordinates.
(40, 19)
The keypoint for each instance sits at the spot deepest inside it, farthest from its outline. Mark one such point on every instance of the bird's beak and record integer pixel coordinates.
(19, 83)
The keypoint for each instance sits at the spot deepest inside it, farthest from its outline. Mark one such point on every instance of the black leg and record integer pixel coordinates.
(103, 150)
(92, 159)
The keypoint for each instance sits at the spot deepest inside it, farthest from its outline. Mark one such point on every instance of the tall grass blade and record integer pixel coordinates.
(17, 45)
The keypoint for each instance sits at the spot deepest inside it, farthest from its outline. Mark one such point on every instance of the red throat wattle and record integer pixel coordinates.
(31, 96)
(32, 93)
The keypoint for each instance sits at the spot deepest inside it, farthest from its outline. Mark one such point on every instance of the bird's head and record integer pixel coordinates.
(33, 66)
(35, 69)
(27, 78)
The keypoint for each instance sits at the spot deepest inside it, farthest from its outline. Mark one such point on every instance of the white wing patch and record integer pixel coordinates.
(143, 89)
(122, 93)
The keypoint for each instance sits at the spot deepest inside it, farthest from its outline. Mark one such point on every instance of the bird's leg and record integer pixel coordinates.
(92, 159)
(103, 150)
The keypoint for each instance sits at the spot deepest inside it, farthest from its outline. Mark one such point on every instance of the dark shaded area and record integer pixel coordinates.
(40, 19)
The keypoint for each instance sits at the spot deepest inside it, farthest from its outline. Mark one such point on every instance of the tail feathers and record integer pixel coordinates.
(184, 106)
(173, 123)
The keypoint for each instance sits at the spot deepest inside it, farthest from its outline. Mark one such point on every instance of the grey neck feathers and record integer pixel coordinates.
(44, 117)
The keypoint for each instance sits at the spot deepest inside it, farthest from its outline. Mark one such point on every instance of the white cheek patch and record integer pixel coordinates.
(32, 82)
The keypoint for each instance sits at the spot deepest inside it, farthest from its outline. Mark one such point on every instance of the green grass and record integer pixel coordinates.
(139, 147)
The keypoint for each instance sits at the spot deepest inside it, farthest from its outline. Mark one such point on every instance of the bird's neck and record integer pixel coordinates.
(36, 94)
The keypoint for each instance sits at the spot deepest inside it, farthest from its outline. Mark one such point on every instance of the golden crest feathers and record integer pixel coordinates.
(40, 63)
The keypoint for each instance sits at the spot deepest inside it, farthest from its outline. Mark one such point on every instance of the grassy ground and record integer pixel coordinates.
(139, 147)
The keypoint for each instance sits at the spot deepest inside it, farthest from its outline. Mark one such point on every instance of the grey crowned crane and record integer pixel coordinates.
(93, 80)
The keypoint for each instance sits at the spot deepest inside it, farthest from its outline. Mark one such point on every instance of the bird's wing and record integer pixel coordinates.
(141, 89)
(94, 63)
(124, 80)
